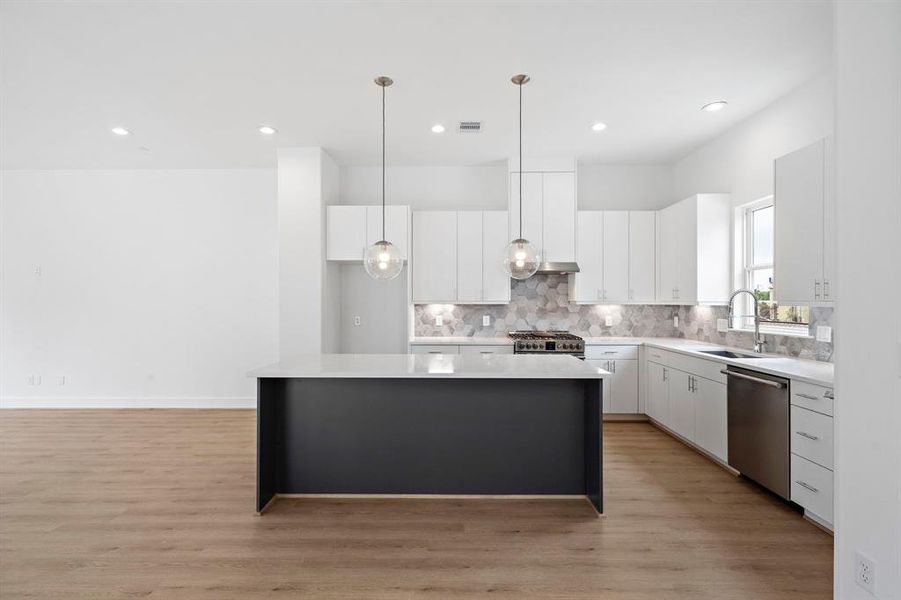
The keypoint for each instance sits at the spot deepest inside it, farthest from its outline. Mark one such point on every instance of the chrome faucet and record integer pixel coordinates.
(759, 342)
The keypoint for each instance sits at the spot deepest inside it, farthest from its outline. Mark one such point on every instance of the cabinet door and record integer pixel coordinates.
(685, 234)
(395, 226)
(434, 262)
(682, 414)
(667, 258)
(469, 256)
(616, 256)
(711, 429)
(531, 208)
(345, 232)
(606, 385)
(495, 279)
(559, 217)
(624, 395)
(642, 252)
(589, 281)
(658, 393)
(798, 247)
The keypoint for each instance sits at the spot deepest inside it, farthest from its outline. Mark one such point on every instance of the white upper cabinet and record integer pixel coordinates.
(458, 257)
(434, 262)
(495, 279)
(803, 252)
(642, 255)
(346, 232)
(469, 256)
(694, 250)
(559, 217)
(396, 218)
(612, 265)
(616, 256)
(350, 229)
(548, 212)
(588, 283)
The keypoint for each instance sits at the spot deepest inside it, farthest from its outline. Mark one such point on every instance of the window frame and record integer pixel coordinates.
(748, 268)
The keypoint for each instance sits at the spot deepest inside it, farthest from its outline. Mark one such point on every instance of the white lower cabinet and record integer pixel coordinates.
(710, 409)
(681, 404)
(486, 350)
(812, 487)
(621, 388)
(657, 395)
(812, 449)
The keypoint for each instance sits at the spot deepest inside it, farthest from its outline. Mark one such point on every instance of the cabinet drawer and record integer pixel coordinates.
(813, 397)
(611, 352)
(436, 349)
(698, 367)
(811, 487)
(486, 349)
(657, 355)
(811, 436)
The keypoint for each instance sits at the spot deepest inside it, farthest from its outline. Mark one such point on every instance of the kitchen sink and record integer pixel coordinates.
(730, 354)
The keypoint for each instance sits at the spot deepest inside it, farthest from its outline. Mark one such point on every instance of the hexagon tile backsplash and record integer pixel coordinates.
(542, 302)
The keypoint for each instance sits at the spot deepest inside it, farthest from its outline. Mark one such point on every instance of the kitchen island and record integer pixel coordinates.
(403, 424)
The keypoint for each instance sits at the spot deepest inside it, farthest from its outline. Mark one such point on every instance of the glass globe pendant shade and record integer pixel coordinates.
(382, 260)
(521, 259)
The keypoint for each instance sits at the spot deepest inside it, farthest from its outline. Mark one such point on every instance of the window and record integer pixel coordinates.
(757, 251)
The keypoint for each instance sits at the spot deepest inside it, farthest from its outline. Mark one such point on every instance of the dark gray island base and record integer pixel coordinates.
(427, 431)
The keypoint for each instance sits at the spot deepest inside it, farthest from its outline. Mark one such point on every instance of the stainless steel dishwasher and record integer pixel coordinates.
(758, 417)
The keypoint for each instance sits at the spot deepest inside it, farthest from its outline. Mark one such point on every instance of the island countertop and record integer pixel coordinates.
(424, 366)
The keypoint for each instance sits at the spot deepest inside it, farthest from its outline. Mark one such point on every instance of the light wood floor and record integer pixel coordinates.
(159, 504)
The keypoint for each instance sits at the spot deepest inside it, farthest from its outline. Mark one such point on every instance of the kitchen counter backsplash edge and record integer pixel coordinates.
(542, 302)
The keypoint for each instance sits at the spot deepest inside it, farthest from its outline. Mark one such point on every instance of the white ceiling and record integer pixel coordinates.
(193, 80)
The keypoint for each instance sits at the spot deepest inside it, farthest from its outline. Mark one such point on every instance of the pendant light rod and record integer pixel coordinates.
(383, 82)
(520, 80)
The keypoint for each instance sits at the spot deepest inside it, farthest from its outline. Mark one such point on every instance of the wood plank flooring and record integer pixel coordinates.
(159, 504)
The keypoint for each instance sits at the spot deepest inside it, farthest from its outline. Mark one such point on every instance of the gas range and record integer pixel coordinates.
(547, 342)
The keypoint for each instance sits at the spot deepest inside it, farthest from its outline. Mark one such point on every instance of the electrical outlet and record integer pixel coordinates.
(486, 320)
(33, 380)
(439, 321)
(608, 321)
(824, 333)
(675, 320)
(722, 325)
(865, 572)
(357, 321)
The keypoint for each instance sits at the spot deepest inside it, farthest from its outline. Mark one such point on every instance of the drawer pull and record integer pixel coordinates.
(808, 396)
(829, 394)
(807, 435)
(807, 486)
(486, 351)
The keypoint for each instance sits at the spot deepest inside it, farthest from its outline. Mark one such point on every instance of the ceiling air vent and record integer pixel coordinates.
(470, 127)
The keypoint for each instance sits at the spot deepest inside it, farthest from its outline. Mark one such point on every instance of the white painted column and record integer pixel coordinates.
(309, 296)
(868, 348)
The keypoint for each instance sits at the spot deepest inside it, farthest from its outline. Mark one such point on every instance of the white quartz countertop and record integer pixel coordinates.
(799, 369)
(449, 366)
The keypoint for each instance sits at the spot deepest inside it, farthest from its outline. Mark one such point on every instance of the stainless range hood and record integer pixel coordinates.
(558, 267)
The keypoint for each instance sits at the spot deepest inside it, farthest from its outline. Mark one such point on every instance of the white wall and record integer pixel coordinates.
(382, 308)
(618, 187)
(868, 356)
(156, 287)
(740, 161)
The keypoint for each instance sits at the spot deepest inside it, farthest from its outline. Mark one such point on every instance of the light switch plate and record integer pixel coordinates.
(675, 320)
(824, 333)
(722, 325)
(608, 321)
(486, 320)
(439, 321)
(357, 321)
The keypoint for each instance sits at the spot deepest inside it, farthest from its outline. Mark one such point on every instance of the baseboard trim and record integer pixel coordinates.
(68, 402)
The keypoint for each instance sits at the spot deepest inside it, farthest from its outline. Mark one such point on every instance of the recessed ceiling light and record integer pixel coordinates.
(599, 126)
(120, 131)
(437, 128)
(714, 106)
(267, 129)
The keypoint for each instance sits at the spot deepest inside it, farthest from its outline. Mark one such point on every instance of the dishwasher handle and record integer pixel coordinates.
(775, 384)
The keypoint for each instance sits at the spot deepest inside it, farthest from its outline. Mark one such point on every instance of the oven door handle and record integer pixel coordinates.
(775, 384)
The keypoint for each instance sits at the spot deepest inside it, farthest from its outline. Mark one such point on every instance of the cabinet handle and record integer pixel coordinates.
(806, 485)
(829, 394)
(664, 374)
(808, 396)
(825, 289)
(486, 352)
(610, 352)
(613, 362)
(807, 435)
(816, 289)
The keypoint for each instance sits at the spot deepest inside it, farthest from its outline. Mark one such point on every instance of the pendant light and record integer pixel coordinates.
(382, 260)
(521, 257)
